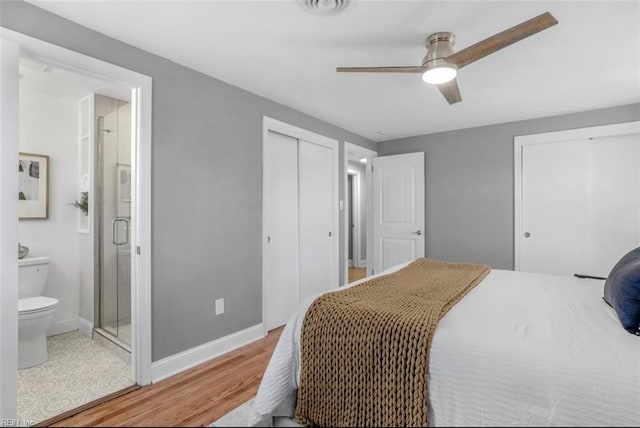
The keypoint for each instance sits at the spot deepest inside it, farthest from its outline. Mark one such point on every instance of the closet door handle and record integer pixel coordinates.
(418, 232)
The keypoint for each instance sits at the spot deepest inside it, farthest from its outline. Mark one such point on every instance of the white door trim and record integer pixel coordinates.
(8, 230)
(369, 155)
(355, 195)
(141, 191)
(270, 124)
(520, 141)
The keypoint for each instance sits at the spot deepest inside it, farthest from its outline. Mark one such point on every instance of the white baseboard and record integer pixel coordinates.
(85, 326)
(363, 263)
(184, 360)
(59, 327)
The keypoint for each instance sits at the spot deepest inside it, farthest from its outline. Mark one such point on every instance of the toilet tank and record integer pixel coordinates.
(32, 276)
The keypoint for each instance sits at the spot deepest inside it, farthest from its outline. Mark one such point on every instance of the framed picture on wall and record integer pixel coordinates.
(33, 186)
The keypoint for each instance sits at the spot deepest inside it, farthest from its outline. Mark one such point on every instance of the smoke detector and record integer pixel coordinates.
(324, 7)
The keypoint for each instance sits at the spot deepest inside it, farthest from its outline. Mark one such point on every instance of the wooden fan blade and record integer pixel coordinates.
(450, 91)
(409, 69)
(501, 40)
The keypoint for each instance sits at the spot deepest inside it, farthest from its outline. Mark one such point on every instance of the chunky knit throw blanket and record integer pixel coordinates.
(365, 350)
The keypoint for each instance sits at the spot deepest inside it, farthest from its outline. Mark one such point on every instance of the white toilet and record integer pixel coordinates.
(35, 312)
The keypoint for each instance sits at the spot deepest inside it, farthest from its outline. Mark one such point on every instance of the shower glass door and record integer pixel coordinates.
(114, 141)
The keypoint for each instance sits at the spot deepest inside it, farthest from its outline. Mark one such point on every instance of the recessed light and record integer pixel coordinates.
(363, 160)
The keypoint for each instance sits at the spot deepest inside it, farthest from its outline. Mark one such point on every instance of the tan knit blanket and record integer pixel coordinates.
(365, 350)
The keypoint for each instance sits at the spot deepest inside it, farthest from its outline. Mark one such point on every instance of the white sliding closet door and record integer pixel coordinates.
(299, 256)
(315, 218)
(614, 202)
(553, 205)
(280, 205)
(580, 204)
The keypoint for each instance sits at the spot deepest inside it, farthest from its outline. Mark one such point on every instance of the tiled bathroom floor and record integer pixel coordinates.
(79, 370)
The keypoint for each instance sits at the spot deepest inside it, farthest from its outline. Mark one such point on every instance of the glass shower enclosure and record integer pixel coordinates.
(114, 218)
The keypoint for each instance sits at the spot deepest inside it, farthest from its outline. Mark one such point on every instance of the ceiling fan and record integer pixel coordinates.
(440, 65)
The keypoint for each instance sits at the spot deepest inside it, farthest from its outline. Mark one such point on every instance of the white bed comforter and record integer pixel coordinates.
(520, 349)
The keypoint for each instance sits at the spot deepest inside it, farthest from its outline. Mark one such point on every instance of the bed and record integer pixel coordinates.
(520, 349)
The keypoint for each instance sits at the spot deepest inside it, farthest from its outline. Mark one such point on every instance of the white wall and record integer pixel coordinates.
(49, 126)
(86, 292)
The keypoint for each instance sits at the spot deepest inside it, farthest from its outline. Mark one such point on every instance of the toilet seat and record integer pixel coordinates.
(36, 304)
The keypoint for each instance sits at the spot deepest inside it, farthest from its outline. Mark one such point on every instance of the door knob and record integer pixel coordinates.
(527, 234)
(419, 232)
(268, 239)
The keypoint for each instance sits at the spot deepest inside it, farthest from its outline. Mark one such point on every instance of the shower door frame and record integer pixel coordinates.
(100, 237)
(141, 207)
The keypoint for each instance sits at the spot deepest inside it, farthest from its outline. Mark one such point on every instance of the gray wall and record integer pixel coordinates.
(469, 183)
(206, 184)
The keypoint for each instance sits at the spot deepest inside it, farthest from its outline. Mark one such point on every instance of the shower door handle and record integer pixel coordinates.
(114, 232)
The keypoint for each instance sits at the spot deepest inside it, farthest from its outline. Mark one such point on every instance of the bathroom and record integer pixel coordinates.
(74, 225)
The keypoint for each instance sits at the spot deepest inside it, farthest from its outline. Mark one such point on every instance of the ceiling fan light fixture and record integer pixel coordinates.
(437, 69)
(440, 74)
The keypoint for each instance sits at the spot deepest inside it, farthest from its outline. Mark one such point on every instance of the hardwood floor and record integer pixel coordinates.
(196, 397)
(357, 273)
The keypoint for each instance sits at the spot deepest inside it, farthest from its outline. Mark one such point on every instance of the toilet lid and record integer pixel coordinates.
(34, 304)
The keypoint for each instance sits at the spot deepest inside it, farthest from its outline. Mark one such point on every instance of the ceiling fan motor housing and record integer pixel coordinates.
(439, 47)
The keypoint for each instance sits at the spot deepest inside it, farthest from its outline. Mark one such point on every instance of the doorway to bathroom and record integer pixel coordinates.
(75, 160)
(96, 293)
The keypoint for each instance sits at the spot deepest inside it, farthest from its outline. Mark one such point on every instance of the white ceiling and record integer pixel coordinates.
(591, 59)
(39, 77)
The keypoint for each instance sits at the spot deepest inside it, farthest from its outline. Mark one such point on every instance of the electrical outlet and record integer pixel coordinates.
(219, 306)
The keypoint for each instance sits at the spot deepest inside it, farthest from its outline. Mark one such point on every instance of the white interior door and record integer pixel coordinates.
(580, 204)
(398, 209)
(316, 218)
(280, 229)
